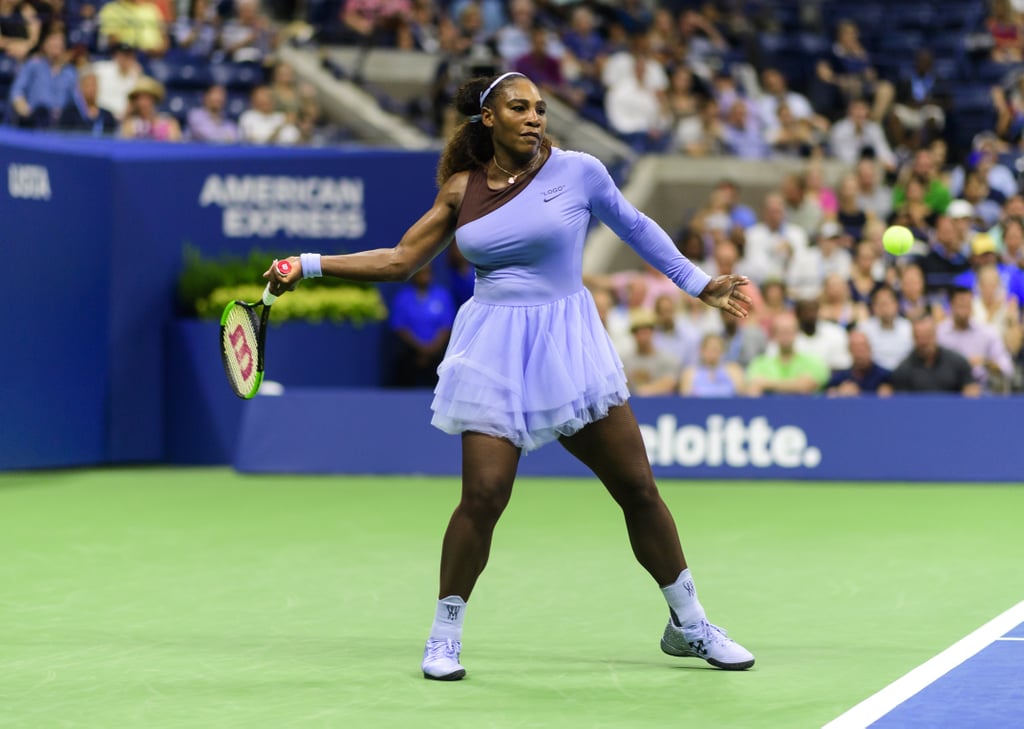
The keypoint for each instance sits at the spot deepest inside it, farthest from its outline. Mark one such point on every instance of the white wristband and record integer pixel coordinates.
(310, 263)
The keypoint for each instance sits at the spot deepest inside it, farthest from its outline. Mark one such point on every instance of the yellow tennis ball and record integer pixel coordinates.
(898, 240)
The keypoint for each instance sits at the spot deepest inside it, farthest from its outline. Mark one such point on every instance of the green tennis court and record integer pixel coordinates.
(204, 598)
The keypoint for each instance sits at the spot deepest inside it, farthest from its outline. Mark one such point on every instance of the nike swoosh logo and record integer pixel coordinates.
(549, 198)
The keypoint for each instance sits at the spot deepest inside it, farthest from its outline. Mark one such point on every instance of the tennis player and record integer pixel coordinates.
(529, 361)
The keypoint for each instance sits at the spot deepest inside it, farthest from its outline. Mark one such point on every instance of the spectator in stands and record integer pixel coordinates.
(649, 370)
(635, 102)
(945, 258)
(702, 135)
(831, 256)
(827, 340)
(984, 255)
(856, 135)
(931, 368)
(248, 37)
(84, 114)
(490, 12)
(1005, 30)
(979, 344)
(682, 98)
(774, 94)
(421, 317)
(513, 40)
(545, 70)
(20, 28)
(914, 212)
(992, 305)
(847, 75)
(918, 115)
(743, 339)
(783, 370)
(198, 33)
(116, 78)
(817, 189)
(137, 23)
(987, 211)
(712, 375)
(673, 332)
(142, 120)
(789, 136)
(984, 160)
(775, 303)
(465, 53)
(1011, 236)
(890, 334)
(866, 273)
(873, 195)
(864, 376)
(285, 91)
(725, 198)
(261, 124)
(585, 51)
(44, 85)
(915, 302)
(923, 169)
(374, 23)
(772, 243)
(850, 215)
(743, 133)
(801, 209)
(836, 306)
(705, 46)
(208, 123)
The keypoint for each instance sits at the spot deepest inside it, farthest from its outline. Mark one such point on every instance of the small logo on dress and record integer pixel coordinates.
(453, 612)
(553, 192)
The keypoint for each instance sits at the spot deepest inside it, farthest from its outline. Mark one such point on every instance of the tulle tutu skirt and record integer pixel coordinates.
(528, 373)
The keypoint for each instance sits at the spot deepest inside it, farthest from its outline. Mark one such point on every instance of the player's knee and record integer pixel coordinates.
(485, 498)
(639, 492)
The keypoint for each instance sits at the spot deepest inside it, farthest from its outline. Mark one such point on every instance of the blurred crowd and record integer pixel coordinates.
(93, 69)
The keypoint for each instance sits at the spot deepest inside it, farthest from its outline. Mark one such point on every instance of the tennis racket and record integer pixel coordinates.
(243, 336)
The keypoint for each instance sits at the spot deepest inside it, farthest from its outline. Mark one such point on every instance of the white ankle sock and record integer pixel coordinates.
(682, 600)
(448, 619)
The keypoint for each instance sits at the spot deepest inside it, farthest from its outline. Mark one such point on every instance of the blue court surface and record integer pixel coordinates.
(977, 683)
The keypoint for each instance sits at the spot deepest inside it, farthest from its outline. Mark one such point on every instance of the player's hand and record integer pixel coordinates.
(723, 292)
(280, 283)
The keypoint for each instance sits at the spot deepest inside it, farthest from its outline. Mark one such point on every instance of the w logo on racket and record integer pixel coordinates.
(243, 354)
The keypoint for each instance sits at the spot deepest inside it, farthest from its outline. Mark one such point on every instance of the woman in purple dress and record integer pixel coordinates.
(529, 361)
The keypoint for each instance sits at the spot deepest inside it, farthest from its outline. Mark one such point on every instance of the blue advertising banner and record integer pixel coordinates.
(909, 438)
(98, 228)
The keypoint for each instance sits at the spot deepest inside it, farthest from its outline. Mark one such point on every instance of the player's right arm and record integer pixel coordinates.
(427, 237)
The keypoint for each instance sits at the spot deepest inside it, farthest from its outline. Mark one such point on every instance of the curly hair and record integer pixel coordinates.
(470, 146)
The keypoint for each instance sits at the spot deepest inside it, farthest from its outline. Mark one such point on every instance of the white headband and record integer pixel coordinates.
(489, 89)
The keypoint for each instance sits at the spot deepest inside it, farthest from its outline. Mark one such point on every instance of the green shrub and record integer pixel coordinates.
(206, 285)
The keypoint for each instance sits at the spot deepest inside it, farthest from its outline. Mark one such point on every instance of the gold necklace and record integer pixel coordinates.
(512, 177)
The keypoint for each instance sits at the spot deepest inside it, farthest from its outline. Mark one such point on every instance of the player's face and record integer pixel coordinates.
(518, 118)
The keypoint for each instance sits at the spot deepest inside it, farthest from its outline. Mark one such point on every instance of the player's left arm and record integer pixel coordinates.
(654, 245)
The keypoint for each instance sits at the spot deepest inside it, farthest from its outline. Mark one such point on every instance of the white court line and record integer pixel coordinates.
(875, 707)
(1009, 638)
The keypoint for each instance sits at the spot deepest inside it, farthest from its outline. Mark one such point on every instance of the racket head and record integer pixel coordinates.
(242, 336)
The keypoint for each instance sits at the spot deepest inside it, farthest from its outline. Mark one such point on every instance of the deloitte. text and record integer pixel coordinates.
(728, 442)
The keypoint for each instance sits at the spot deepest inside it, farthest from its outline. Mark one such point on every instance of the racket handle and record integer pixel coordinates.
(283, 268)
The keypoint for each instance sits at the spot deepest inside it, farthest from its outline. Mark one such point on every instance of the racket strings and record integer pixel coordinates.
(240, 347)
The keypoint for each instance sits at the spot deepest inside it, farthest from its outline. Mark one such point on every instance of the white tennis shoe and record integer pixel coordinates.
(441, 660)
(707, 641)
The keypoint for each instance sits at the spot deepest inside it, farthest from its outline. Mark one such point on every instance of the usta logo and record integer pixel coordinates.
(728, 442)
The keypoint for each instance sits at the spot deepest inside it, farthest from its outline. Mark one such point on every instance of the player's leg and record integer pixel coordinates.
(488, 470)
(614, 450)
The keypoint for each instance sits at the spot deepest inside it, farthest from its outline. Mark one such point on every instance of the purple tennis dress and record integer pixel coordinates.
(529, 359)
